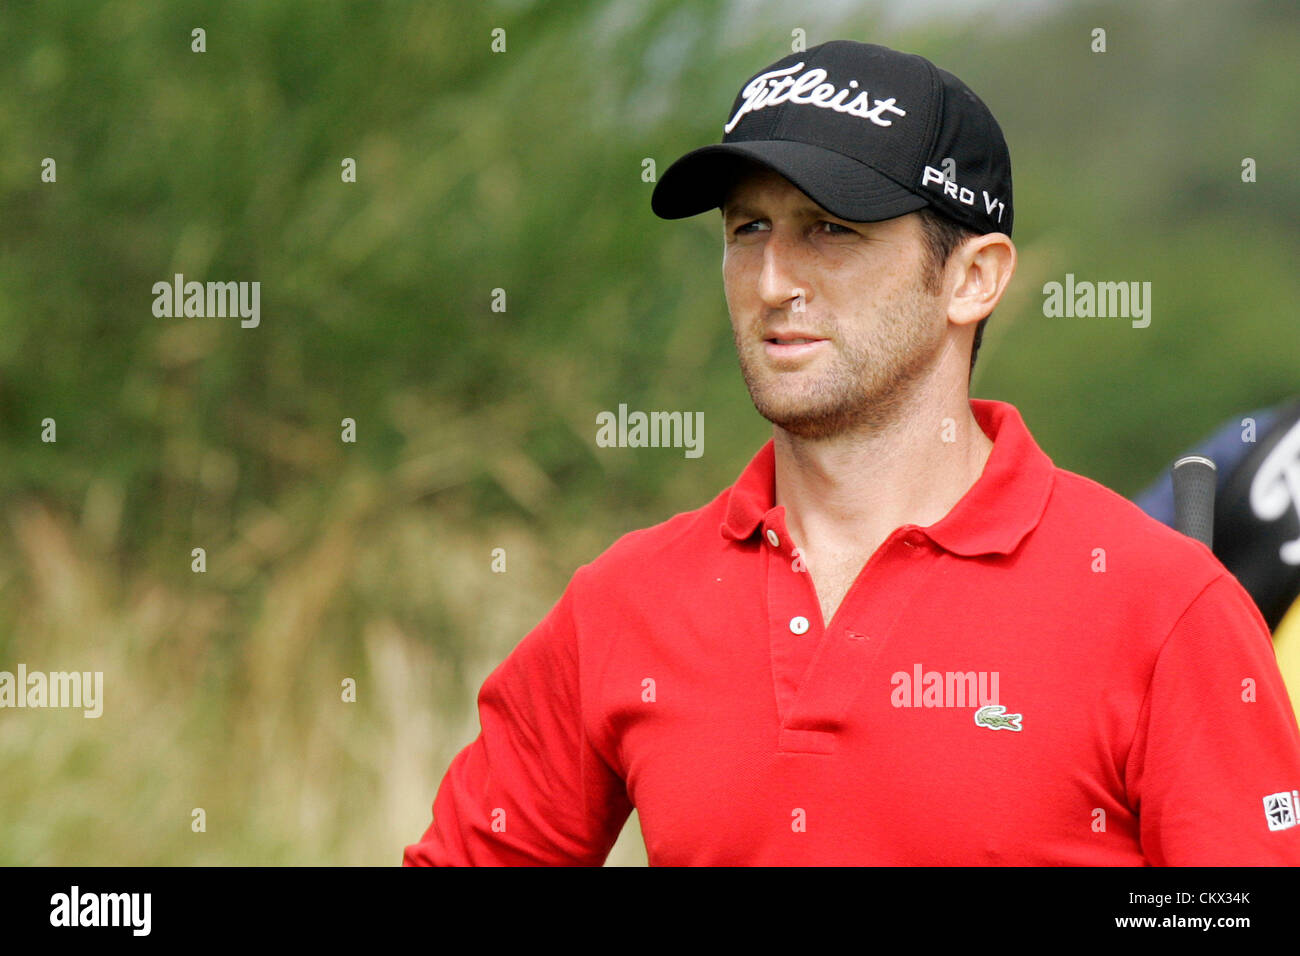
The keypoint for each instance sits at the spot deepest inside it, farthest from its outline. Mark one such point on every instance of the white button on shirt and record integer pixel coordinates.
(772, 538)
(798, 625)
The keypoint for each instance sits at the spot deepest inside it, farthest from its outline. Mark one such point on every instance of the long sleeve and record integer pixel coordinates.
(530, 790)
(1214, 768)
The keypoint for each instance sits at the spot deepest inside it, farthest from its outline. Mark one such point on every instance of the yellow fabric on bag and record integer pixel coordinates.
(1286, 643)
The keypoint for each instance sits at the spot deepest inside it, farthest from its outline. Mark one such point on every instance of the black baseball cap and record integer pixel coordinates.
(866, 132)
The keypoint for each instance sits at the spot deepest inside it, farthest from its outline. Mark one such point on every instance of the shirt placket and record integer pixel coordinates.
(794, 624)
(818, 682)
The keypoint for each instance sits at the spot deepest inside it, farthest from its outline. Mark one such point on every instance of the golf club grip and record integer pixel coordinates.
(1194, 486)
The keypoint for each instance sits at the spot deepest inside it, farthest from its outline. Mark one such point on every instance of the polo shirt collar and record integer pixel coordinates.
(1005, 503)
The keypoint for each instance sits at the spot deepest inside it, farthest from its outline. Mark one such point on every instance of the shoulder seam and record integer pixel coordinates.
(1146, 696)
(604, 729)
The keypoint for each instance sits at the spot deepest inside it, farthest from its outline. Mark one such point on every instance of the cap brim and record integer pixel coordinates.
(844, 187)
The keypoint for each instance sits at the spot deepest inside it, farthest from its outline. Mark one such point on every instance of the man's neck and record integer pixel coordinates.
(846, 494)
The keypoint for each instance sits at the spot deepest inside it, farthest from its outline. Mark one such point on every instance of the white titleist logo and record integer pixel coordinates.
(1276, 487)
(778, 86)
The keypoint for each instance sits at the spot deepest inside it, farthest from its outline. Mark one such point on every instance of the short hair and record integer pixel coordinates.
(941, 235)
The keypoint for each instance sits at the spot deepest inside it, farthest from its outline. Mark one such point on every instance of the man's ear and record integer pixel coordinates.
(979, 271)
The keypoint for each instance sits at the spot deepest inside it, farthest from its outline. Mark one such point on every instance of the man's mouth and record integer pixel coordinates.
(792, 337)
(790, 346)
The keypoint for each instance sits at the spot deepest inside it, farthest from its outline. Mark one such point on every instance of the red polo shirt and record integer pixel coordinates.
(1045, 676)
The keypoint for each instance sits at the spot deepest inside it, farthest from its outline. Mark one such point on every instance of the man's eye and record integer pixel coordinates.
(835, 228)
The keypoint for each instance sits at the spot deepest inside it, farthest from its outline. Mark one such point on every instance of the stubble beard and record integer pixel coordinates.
(864, 384)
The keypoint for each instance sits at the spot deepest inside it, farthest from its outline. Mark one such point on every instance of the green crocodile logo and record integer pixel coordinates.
(996, 717)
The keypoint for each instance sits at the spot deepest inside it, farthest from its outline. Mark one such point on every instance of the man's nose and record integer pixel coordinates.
(782, 278)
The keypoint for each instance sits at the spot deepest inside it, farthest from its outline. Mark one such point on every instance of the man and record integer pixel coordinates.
(903, 636)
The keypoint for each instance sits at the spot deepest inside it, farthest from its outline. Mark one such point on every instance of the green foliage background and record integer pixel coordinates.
(477, 170)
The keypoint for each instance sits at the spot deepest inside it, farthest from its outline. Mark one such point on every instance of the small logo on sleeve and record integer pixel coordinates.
(1281, 809)
(995, 717)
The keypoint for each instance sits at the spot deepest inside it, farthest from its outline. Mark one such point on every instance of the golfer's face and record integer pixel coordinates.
(831, 318)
